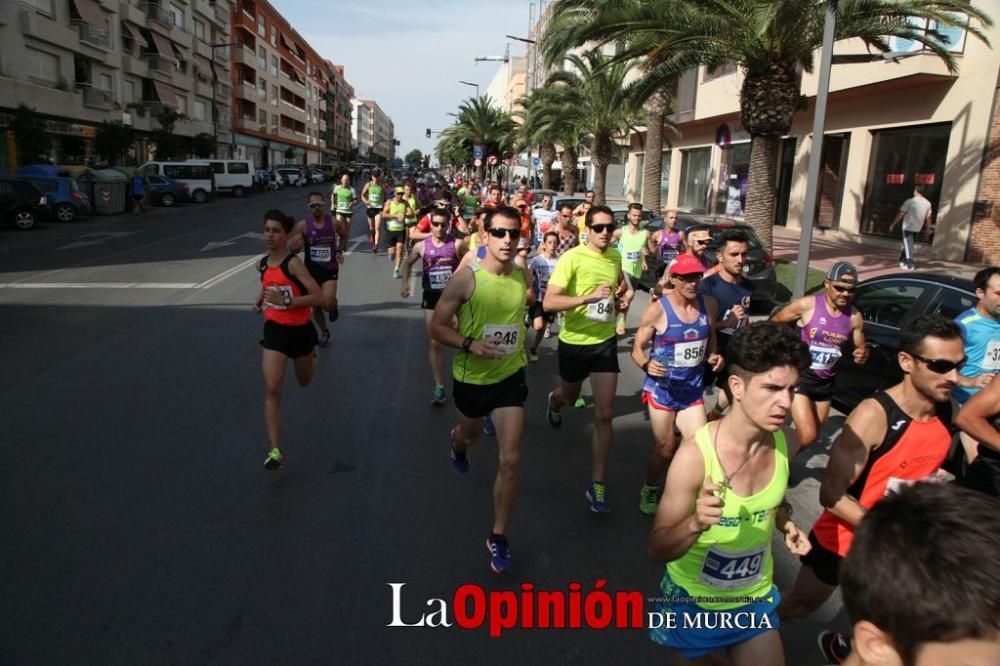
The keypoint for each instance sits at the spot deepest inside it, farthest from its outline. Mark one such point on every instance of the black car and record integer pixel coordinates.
(21, 203)
(759, 266)
(888, 304)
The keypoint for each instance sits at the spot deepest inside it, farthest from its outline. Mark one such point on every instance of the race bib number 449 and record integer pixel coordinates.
(504, 336)
(732, 570)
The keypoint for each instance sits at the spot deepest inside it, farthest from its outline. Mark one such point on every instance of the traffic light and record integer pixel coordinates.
(428, 132)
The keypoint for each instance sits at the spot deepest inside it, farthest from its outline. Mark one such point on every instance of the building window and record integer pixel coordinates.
(274, 66)
(695, 172)
(177, 15)
(734, 172)
(182, 104)
(199, 110)
(261, 88)
(41, 66)
(262, 120)
(42, 6)
(274, 95)
(262, 58)
(105, 82)
(274, 36)
(200, 30)
(128, 91)
(901, 159)
(720, 71)
(261, 29)
(274, 123)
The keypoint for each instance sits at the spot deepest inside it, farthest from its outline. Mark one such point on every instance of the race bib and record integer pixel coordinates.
(602, 311)
(439, 278)
(689, 354)
(823, 358)
(668, 255)
(320, 254)
(991, 360)
(732, 570)
(633, 255)
(895, 484)
(503, 336)
(583, 237)
(284, 290)
(343, 206)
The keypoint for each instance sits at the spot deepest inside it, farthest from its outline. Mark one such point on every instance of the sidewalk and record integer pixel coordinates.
(874, 258)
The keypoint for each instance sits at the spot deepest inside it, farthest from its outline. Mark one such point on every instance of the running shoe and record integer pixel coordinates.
(548, 333)
(488, 426)
(438, 398)
(396, 273)
(552, 416)
(835, 646)
(334, 313)
(902, 265)
(533, 356)
(324, 339)
(459, 460)
(273, 460)
(648, 500)
(499, 553)
(596, 496)
(580, 403)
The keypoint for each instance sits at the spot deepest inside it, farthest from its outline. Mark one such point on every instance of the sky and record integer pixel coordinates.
(409, 56)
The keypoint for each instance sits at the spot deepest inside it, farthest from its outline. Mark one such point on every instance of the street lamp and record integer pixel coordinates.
(534, 58)
(474, 85)
(215, 90)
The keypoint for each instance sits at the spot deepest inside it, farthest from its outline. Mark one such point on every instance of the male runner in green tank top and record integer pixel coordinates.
(632, 246)
(724, 496)
(373, 196)
(342, 201)
(489, 298)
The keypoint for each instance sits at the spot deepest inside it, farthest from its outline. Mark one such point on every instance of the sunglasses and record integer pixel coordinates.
(565, 217)
(439, 224)
(940, 365)
(601, 228)
(693, 277)
(509, 233)
(316, 204)
(701, 242)
(843, 289)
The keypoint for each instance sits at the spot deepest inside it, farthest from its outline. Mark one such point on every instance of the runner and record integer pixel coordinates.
(373, 196)
(541, 267)
(732, 292)
(317, 235)
(724, 497)
(981, 333)
(826, 323)
(440, 254)
(666, 243)
(343, 198)
(569, 236)
(632, 243)
(979, 420)
(286, 296)
(527, 222)
(489, 300)
(394, 213)
(581, 222)
(587, 284)
(680, 328)
(584, 206)
(545, 217)
(890, 440)
(925, 602)
(495, 199)
(411, 216)
(469, 199)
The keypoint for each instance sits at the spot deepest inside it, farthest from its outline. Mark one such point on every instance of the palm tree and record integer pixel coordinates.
(532, 130)
(594, 97)
(770, 40)
(480, 122)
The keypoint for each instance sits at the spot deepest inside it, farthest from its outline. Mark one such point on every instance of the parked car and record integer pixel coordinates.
(291, 175)
(199, 176)
(165, 191)
(233, 176)
(759, 266)
(65, 200)
(21, 203)
(318, 176)
(888, 304)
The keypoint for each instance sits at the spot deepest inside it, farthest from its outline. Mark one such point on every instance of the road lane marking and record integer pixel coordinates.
(98, 285)
(212, 281)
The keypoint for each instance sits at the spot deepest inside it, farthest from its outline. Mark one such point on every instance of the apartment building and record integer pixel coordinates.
(361, 128)
(338, 112)
(890, 125)
(373, 130)
(81, 62)
(509, 84)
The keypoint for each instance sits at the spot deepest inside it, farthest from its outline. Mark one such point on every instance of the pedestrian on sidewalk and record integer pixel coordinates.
(915, 214)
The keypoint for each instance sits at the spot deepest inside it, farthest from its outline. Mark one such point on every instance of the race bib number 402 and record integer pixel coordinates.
(504, 336)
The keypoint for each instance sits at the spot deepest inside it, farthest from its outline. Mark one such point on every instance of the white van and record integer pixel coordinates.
(234, 176)
(197, 174)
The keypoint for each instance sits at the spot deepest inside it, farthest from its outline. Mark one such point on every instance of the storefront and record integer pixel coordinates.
(733, 175)
(696, 172)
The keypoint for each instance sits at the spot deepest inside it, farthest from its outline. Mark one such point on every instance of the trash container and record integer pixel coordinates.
(108, 190)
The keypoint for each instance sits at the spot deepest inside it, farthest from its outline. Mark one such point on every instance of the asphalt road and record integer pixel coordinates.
(142, 528)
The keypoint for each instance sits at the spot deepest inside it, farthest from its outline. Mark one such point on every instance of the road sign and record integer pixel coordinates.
(478, 162)
(477, 151)
(492, 160)
(536, 161)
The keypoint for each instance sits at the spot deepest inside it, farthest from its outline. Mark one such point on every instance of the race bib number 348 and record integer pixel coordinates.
(504, 336)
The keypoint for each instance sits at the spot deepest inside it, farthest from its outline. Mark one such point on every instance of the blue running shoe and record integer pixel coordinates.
(438, 399)
(596, 496)
(488, 426)
(499, 553)
(552, 416)
(459, 460)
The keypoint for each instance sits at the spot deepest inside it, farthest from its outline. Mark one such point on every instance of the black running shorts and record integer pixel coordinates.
(292, 341)
(477, 400)
(577, 362)
(983, 474)
(321, 274)
(536, 310)
(824, 563)
(430, 299)
(372, 212)
(815, 388)
(394, 238)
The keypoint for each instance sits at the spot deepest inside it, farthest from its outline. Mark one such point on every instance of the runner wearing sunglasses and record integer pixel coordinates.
(890, 440)
(589, 286)
(827, 323)
(488, 299)
(440, 253)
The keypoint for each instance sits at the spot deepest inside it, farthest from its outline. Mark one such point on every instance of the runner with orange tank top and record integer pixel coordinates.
(890, 440)
(288, 294)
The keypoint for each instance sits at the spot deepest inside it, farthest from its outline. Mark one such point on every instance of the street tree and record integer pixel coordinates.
(480, 122)
(169, 145)
(771, 41)
(202, 145)
(112, 140)
(32, 141)
(414, 158)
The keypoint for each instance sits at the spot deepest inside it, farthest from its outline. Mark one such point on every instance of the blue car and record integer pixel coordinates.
(165, 191)
(65, 199)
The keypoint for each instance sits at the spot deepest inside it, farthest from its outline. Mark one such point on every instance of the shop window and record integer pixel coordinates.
(734, 172)
(901, 159)
(664, 178)
(695, 173)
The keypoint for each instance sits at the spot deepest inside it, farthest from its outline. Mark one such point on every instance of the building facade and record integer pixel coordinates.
(338, 113)
(361, 128)
(79, 63)
(380, 133)
(509, 84)
(890, 125)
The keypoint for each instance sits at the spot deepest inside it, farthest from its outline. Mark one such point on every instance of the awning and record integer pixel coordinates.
(163, 46)
(204, 65)
(91, 12)
(166, 93)
(285, 42)
(135, 34)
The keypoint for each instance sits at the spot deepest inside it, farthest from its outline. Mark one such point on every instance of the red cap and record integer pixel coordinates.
(686, 264)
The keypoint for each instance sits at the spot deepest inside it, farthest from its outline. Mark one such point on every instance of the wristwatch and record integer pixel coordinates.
(467, 344)
(286, 298)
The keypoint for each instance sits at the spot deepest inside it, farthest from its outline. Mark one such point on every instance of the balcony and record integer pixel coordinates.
(160, 65)
(246, 123)
(157, 13)
(93, 35)
(97, 98)
(248, 23)
(203, 88)
(222, 89)
(135, 65)
(246, 91)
